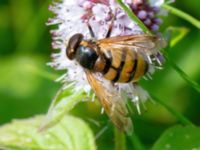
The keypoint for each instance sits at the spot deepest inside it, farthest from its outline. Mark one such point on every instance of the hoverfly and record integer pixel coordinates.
(112, 60)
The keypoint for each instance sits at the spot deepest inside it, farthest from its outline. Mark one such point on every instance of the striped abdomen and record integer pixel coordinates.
(124, 67)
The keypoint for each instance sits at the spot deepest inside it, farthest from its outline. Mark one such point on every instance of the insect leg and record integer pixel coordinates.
(110, 27)
(109, 30)
(90, 30)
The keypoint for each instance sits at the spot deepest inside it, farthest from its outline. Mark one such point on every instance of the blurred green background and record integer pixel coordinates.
(27, 84)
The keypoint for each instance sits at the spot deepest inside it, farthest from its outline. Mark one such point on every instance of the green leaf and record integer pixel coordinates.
(179, 138)
(71, 134)
(64, 101)
(175, 34)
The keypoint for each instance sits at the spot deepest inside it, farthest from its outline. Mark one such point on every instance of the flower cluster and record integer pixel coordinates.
(146, 13)
(72, 16)
(103, 11)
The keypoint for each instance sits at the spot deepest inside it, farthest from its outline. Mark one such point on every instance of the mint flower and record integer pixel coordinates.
(72, 16)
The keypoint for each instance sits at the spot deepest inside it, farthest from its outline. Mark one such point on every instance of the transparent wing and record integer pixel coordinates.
(111, 101)
(143, 43)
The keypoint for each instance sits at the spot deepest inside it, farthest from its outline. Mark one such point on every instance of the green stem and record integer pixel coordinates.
(136, 142)
(133, 16)
(190, 82)
(178, 115)
(120, 140)
(182, 15)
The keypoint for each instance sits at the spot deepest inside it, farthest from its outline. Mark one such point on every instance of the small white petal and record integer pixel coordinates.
(157, 3)
(100, 11)
(70, 2)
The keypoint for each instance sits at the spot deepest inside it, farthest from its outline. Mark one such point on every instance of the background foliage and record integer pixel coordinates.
(27, 86)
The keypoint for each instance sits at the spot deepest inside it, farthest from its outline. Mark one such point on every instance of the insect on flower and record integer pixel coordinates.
(106, 52)
(117, 59)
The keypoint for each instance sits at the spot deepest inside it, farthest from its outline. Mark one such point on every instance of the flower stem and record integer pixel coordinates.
(133, 17)
(136, 142)
(182, 15)
(178, 115)
(190, 82)
(120, 140)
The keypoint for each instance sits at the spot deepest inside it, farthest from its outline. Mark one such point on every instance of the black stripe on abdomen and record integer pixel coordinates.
(108, 60)
(132, 74)
(119, 69)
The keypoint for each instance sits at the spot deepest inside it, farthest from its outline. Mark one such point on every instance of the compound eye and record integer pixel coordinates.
(73, 43)
(86, 57)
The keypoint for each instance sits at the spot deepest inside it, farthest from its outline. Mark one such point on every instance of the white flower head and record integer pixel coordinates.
(72, 16)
